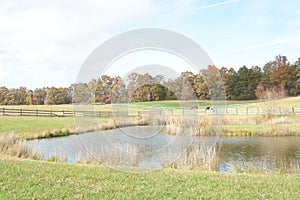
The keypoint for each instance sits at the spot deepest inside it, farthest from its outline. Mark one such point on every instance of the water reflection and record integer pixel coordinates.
(149, 146)
(267, 153)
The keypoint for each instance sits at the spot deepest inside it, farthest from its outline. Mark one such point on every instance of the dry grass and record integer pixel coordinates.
(256, 119)
(234, 125)
(11, 145)
(199, 157)
(191, 126)
(277, 166)
(111, 156)
(282, 103)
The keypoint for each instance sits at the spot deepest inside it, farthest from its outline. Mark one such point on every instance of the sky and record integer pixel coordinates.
(45, 43)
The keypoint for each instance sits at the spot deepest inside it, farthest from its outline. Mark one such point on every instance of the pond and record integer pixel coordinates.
(149, 143)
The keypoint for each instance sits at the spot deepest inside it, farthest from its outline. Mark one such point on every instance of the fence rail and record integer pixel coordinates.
(201, 111)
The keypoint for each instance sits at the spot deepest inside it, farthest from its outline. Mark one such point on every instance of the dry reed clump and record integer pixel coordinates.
(187, 126)
(254, 120)
(111, 124)
(248, 119)
(279, 120)
(152, 119)
(111, 156)
(199, 157)
(11, 145)
(242, 120)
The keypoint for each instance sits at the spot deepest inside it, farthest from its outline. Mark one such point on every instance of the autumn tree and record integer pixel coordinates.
(214, 82)
(39, 96)
(200, 87)
(3, 95)
(118, 92)
(158, 92)
(280, 72)
(293, 83)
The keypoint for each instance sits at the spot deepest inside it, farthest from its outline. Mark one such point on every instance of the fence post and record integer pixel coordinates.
(37, 112)
(293, 110)
(21, 111)
(247, 110)
(3, 112)
(236, 111)
(258, 111)
(280, 111)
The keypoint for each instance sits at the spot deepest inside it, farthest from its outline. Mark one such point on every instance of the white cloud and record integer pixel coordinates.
(61, 33)
(45, 42)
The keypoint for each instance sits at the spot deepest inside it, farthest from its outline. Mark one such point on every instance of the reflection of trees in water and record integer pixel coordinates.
(280, 147)
(264, 153)
(283, 152)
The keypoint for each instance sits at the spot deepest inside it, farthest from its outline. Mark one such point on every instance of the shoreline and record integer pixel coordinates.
(234, 125)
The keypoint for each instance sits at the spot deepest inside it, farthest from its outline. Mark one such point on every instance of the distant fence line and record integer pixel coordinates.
(68, 113)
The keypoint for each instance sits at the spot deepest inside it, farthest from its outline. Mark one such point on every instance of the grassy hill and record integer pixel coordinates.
(283, 103)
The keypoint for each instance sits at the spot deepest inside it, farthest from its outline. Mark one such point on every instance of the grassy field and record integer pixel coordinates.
(36, 179)
(26, 179)
(172, 105)
(34, 127)
(44, 127)
(167, 105)
(234, 125)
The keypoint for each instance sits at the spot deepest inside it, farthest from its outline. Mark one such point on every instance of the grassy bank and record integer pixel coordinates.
(46, 127)
(259, 125)
(34, 127)
(234, 125)
(26, 179)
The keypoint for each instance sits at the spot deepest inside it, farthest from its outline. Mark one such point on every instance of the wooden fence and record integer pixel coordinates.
(178, 112)
(52, 113)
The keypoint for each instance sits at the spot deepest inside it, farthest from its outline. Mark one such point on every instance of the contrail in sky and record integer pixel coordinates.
(204, 7)
(258, 46)
(216, 4)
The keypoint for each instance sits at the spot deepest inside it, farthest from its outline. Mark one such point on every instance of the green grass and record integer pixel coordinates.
(45, 127)
(32, 127)
(26, 179)
(170, 105)
(235, 125)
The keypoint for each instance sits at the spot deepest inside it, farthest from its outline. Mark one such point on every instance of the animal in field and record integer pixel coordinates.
(194, 107)
(209, 109)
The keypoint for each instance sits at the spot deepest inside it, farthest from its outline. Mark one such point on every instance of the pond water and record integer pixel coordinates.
(149, 143)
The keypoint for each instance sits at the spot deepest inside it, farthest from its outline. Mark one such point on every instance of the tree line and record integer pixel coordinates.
(278, 76)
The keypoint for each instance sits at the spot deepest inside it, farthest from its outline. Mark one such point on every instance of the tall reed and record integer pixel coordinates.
(197, 157)
(11, 145)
